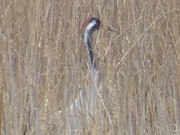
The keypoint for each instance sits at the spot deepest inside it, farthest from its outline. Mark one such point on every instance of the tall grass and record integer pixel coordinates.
(45, 78)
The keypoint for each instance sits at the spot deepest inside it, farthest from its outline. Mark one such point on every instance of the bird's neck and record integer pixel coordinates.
(87, 38)
(88, 41)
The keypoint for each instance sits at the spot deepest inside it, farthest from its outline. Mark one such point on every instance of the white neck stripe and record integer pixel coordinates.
(89, 27)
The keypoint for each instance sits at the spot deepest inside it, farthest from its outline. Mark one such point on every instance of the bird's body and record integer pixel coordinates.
(89, 26)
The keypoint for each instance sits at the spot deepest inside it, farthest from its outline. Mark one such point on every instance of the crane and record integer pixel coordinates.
(90, 25)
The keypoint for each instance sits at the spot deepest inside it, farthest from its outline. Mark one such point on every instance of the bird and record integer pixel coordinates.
(90, 25)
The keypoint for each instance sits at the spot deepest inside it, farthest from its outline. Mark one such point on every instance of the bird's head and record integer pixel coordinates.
(90, 25)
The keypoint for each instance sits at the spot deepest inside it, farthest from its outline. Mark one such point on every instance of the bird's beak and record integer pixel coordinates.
(111, 29)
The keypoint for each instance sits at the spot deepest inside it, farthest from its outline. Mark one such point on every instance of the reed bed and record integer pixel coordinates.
(48, 88)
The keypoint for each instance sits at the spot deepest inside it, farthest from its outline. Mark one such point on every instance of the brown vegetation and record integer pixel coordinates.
(44, 67)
